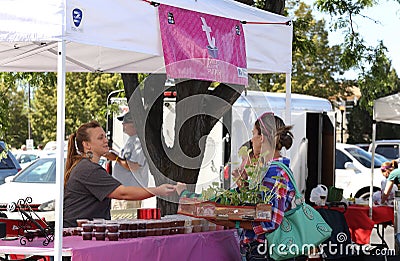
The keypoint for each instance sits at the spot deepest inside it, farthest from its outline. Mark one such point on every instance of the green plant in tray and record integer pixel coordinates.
(252, 192)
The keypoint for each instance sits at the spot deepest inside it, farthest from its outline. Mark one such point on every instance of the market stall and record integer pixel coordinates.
(386, 109)
(123, 36)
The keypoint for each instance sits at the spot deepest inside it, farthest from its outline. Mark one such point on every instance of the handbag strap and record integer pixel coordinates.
(290, 174)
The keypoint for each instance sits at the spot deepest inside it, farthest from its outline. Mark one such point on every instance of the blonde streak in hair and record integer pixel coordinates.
(386, 164)
(71, 153)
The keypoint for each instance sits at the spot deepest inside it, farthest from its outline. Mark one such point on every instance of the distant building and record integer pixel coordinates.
(343, 106)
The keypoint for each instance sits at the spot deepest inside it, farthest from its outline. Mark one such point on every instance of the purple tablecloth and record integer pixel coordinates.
(216, 245)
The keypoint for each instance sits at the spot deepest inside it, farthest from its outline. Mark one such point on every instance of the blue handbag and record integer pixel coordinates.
(302, 229)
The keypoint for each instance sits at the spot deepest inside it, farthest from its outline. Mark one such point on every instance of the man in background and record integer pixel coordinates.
(133, 170)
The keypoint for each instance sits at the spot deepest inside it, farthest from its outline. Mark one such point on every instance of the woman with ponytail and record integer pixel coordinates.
(88, 188)
(275, 136)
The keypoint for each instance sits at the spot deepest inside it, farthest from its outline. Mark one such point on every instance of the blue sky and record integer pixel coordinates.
(387, 12)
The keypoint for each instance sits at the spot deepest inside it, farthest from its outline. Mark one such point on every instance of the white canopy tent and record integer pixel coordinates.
(123, 36)
(386, 109)
(119, 36)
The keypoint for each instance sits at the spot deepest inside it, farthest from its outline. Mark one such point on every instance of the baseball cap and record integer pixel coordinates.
(126, 118)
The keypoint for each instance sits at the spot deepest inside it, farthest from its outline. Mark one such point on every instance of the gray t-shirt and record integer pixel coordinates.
(85, 194)
(133, 152)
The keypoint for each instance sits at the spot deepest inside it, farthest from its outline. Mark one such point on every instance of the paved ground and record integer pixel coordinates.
(390, 241)
(389, 236)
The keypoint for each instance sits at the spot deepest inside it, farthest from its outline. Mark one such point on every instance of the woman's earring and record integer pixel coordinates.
(89, 154)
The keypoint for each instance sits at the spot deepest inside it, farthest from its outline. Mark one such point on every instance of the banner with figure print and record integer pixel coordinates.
(202, 46)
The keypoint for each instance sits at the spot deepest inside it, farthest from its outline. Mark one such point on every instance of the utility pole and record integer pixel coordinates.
(342, 108)
(29, 110)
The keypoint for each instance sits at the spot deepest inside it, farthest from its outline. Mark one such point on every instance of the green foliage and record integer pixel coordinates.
(379, 80)
(12, 110)
(44, 112)
(343, 14)
(343, 7)
(85, 98)
(18, 117)
(359, 126)
(354, 50)
(252, 192)
(316, 65)
(4, 108)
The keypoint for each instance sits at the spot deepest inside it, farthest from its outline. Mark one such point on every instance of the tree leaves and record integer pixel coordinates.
(86, 97)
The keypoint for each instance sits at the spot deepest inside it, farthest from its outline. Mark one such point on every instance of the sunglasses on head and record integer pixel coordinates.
(260, 119)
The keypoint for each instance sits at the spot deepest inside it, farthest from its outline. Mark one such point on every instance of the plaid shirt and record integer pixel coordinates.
(280, 203)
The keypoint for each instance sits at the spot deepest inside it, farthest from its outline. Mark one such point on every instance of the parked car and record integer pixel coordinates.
(388, 148)
(364, 146)
(52, 146)
(26, 157)
(9, 165)
(381, 157)
(37, 181)
(353, 171)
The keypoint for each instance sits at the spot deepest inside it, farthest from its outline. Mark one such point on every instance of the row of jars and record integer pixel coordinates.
(132, 228)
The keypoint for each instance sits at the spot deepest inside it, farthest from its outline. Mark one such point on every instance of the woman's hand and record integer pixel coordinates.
(180, 187)
(235, 173)
(240, 176)
(383, 198)
(164, 190)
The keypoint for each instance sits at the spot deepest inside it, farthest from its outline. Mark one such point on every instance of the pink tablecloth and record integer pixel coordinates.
(216, 245)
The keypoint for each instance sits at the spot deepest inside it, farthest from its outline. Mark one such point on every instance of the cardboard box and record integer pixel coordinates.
(196, 208)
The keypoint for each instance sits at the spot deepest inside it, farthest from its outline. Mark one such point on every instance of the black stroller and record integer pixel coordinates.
(339, 246)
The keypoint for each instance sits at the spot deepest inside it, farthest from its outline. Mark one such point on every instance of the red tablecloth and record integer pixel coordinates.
(361, 225)
(216, 245)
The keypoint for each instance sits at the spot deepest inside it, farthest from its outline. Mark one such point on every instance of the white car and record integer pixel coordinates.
(353, 171)
(388, 148)
(37, 181)
(26, 157)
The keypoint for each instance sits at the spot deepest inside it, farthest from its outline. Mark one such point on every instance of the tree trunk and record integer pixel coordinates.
(197, 111)
(246, 2)
(130, 83)
(275, 6)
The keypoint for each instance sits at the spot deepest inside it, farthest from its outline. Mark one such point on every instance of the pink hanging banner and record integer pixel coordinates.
(202, 46)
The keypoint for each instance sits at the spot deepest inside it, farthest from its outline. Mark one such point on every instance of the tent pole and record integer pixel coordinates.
(371, 188)
(288, 108)
(58, 231)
